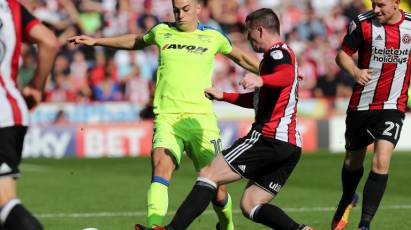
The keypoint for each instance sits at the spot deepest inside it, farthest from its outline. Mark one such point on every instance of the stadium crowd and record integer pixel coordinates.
(314, 29)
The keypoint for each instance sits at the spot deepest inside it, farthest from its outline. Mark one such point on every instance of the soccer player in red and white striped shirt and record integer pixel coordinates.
(18, 25)
(382, 38)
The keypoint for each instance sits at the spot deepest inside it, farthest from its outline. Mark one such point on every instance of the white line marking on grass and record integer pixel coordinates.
(112, 214)
(33, 168)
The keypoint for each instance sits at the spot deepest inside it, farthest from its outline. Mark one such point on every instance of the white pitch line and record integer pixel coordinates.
(32, 168)
(112, 214)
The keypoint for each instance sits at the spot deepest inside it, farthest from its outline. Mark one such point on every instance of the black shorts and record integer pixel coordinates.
(265, 161)
(11, 146)
(364, 127)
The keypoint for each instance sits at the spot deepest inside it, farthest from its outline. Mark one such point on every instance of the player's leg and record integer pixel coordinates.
(255, 206)
(204, 190)
(269, 178)
(387, 132)
(165, 158)
(222, 205)
(351, 174)
(13, 215)
(357, 139)
(204, 144)
(376, 182)
(157, 196)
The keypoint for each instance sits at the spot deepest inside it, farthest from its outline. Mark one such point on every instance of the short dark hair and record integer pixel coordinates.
(266, 18)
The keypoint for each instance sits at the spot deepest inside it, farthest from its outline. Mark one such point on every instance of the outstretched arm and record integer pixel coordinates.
(124, 42)
(244, 100)
(245, 60)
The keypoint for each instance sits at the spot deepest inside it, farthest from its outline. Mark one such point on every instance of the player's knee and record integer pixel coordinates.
(379, 166)
(249, 209)
(248, 206)
(353, 162)
(6, 195)
(222, 194)
(163, 164)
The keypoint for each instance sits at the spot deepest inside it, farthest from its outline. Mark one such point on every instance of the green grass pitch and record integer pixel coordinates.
(110, 194)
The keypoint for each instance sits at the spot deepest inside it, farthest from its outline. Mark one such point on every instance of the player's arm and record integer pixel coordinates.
(352, 41)
(244, 100)
(47, 47)
(124, 42)
(345, 62)
(245, 60)
(282, 74)
(280, 78)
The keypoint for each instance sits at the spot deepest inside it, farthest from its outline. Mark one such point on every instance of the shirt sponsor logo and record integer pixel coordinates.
(274, 186)
(390, 55)
(188, 48)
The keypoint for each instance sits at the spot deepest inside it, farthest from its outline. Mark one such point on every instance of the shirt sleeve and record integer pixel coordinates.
(28, 21)
(283, 71)
(244, 100)
(353, 39)
(150, 36)
(225, 43)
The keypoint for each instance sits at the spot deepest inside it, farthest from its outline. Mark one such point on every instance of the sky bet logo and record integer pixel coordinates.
(390, 55)
(188, 48)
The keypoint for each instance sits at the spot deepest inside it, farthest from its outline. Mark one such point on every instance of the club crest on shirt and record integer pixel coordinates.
(352, 27)
(204, 38)
(277, 54)
(406, 39)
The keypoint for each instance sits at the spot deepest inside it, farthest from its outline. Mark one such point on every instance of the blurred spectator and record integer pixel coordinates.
(117, 22)
(205, 16)
(60, 118)
(97, 72)
(78, 70)
(313, 28)
(107, 89)
(310, 26)
(27, 67)
(327, 84)
(137, 89)
(226, 13)
(147, 19)
(61, 92)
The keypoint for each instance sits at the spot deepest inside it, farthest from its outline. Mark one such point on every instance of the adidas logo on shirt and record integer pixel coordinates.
(242, 167)
(379, 38)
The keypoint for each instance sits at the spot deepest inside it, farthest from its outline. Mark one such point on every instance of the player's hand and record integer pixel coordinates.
(32, 96)
(363, 76)
(251, 82)
(82, 40)
(213, 94)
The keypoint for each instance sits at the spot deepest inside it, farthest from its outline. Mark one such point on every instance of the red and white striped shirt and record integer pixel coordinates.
(384, 49)
(15, 23)
(275, 103)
